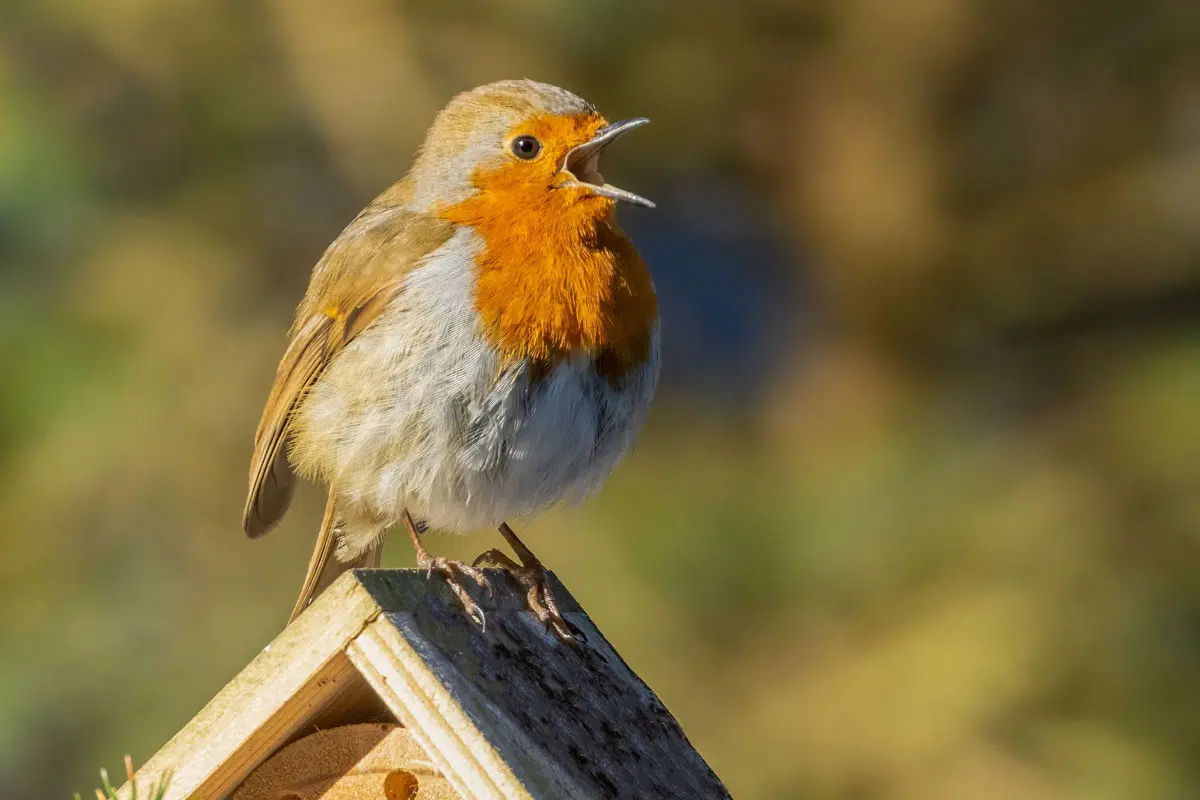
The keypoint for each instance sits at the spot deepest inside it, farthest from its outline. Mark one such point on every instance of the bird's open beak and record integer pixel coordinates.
(581, 165)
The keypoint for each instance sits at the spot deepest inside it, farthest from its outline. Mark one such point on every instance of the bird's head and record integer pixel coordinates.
(517, 164)
(529, 146)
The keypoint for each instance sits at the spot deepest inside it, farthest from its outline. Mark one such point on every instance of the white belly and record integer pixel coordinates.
(419, 413)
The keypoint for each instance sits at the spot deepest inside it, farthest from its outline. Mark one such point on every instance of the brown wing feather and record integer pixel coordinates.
(271, 478)
(351, 285)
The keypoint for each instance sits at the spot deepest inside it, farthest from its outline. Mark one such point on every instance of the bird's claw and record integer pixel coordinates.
(449, 569)
(538, 597)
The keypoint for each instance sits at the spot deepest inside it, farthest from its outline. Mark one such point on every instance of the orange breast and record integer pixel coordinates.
(557, 275)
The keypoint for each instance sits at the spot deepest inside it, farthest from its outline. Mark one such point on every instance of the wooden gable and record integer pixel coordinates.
(507, 712)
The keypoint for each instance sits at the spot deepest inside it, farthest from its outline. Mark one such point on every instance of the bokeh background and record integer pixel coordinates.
(916, 513)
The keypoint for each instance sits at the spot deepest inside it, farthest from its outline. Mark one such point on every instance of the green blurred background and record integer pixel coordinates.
(916, 513)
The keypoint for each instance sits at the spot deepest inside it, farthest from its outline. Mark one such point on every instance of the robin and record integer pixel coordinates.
(479, 343)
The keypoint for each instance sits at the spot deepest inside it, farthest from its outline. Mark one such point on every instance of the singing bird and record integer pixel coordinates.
(479, 343)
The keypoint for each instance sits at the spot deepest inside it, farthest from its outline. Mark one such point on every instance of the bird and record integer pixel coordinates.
(480, 343)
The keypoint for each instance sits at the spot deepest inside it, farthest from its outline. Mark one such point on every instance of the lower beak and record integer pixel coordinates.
(581, 165)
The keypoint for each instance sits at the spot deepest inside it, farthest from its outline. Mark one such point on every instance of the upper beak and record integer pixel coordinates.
(581, 163)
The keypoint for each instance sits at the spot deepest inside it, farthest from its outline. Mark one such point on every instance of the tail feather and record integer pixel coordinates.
(324, 567)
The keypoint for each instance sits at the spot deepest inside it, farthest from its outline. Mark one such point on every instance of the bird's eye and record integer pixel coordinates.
(526, 147)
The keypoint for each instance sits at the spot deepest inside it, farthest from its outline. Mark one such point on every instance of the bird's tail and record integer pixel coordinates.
(324, 567)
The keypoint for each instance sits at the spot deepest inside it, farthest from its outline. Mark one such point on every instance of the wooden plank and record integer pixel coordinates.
(286, 685)
(356, 702)
(422, 705)
(511, 711)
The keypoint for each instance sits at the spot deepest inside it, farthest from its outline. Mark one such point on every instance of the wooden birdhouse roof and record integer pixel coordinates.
(506, 712)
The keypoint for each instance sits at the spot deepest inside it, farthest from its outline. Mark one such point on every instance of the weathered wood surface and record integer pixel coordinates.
(566, 721)
(506, 712)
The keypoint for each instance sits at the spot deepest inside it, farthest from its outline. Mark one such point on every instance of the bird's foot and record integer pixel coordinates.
(450, 569)
(532, 577)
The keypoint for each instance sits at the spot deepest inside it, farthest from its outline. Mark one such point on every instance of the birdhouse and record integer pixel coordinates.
(384, 689)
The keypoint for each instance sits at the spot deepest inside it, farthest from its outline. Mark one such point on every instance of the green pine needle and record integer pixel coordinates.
(109, 792)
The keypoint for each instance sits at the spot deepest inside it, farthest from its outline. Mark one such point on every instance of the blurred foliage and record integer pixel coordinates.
(915, 515)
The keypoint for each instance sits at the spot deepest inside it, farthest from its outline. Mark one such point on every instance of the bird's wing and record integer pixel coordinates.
(359, 273)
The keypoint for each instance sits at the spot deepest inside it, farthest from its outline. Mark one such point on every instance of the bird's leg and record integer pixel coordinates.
(531, 575)
(447, 568)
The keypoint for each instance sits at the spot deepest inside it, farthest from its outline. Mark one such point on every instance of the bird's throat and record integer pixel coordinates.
(557, 278)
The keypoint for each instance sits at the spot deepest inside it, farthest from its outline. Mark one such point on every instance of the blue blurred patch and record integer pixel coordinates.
(731, 299)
